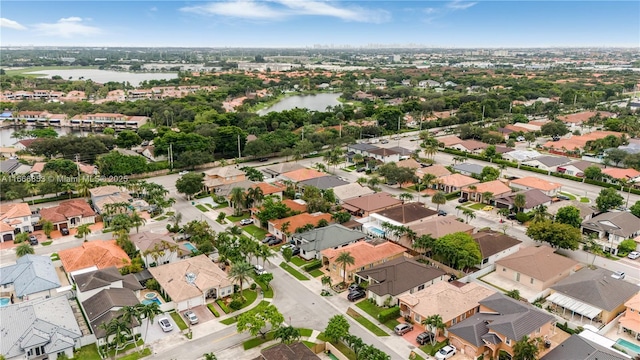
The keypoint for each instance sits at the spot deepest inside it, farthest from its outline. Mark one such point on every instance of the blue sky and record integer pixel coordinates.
(301, 23)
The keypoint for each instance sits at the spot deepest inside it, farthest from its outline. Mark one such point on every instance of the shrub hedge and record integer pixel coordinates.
(213, 310)
(389, 314)
(223, 306)
(315, 264)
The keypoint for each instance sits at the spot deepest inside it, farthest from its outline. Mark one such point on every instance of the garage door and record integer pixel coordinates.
(7, 237)
(184, 305)
(469, 351)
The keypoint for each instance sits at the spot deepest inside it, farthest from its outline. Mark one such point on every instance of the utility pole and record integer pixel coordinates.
(78, 164)
(482, 112)
(239, 153)
(171, 156)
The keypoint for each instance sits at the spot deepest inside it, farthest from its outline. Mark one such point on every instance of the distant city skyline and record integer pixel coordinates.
(309, 23)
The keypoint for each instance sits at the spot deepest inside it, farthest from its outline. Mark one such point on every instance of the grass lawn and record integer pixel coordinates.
(234, 319)
(374, 310)
(416, 357)
(351, 167)
(309, 344)
(316, 273)
(257, 341)
(89, 352)
(229, 321)
(305, 332)
(255, 231)
(210, 206)
(202, 208)
(268, 293)
(293, 272)
(169, 213)
(298, 261)
(250, 296)
(178, 319)
(432, 350)
(222, 206)
(584, 200)
(571, 197)
(46, 243)
(344, 349)
(129, 346)
(238, 218)
(55, 257)
(366, 323)
(136, 355)
(160, 218)
(477, 206)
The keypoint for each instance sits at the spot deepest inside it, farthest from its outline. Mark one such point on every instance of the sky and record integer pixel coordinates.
(304, 23)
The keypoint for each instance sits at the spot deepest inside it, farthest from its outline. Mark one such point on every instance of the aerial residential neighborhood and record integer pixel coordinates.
(320, 180)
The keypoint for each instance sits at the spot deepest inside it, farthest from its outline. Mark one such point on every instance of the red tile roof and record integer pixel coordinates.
(102, 254)
(67, 210)
(300, 220)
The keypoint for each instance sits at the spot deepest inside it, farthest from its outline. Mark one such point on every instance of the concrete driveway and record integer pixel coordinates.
(202, 312)
(155, 332)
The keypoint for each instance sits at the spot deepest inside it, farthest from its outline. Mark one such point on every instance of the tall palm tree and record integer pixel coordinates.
(176, 218)
(241, 272)
(32, 189)
(439, 198)
(405, 197)
(137, 220)
(540, 213)
(149, 312)
(24, 249)
(468, 213)
(237, 198)
(265, 252)
(520, 201)
(428, 179)
(487, 196)
(345, 259)
(83, 230)
(423, 243)
(435, 323)
(119, 329)
(526, 349)
(254, 196)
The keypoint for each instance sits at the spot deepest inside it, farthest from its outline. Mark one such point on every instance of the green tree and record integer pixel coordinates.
(341, 217)
(83, 230)
(287, 254)
(439, 198)
(237, 198)
(149, 312)
(47, 227)
(459, 250)
(514, 294)
(137, 220)
(520, 201)
(635, 209)
(489, 173)
(627, 246)
(558, 235)
(343, 260)
(337, 328)
(24, 249)
(115, 163)
(21, 237)
(608, 198)
(526, 349)
(120, 331)
(210, 356)
(593, 172)
(241, 272)
(257, 319)
(63, 167)
(540, 213)
(266, 278)
(190, 184)
(569, 215)
(435, 323)
(287, 334)
(127, 138)
(423, 243)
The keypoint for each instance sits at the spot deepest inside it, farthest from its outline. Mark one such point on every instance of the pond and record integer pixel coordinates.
(7, 140)
(105, 76)
(318, 102)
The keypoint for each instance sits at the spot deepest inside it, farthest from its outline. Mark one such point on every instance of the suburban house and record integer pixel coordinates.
(361, 148)
(31, 277)
(397, 277)
(106, 305)
(581, 347)
(300, 175)
(578, 119)
(521, 156)
(69, 214)
(406, 214)
(278, 169)
(189, 282)
(468, 169)
(576, 168)
(476, 192)
(109, 194)
(586, 210)
(323, 183)
(18, 216)
(532, 182)
(437, 227)
(385, 155)
(364, 205)
(593, 294)
(13, 166)
(494, 246)
(533, 199)
(612, 228)
(6, 232)
(38, 329)
(293, 223)
(295, 351)
(630, 320)
(436, 170)
(451, 302)
(536, 267)
(470, 146)
(225, 190)
(93, 255)
(90, 283)
(158, 249)
(499, 324)
(366, 255)
(618, 174)
(454, 182)
(334, 236)
(351, 190)
(548, 163)
(216, 177)
(268, 189)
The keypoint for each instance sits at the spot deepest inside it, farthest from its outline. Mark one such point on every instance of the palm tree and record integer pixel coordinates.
(405, 197)
(358, 158)
(255, 195)
(137, 220)
(520, 201)
(435, 323)
(439, 198)
(423, 243)
(428, 179)
(526, 349)
(24, 249)
(237, 198)
(149, 312)
(83, 230)
(119, 329)
(129, 314)
(373, 183)
(468, 213)
(241, 272)
(265, 252)
(176, 218)
(345, 259)
(47, 227)
(540, 213)
(32, 189)
(487, 196)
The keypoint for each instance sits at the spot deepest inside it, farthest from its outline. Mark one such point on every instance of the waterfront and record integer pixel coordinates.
(104, 76)
(7, 131)
(317, 102)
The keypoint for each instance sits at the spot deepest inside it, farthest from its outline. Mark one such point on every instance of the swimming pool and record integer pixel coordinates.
(147, 301)
(190, 246)
(5, 301)
(376, 231)
(628, 345)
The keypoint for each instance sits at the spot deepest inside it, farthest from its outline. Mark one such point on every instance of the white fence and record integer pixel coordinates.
(477, 274)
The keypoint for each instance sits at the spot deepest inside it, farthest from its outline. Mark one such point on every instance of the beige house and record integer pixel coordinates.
(365, 254)
(532, 182)
(454, 182)
(217, 177)
(476, 192)
(536, 267)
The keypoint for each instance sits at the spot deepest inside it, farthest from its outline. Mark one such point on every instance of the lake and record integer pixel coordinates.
(105, 76)
(318, 102)
(7, 140)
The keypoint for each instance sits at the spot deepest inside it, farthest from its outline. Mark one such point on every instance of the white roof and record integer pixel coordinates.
(523, 155)
(574, 305)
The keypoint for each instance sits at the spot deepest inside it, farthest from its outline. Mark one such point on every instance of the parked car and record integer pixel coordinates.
(267, 238)
(520, 138)
(424, 338)
(274, 241)
(453, 277)
(191, 316)
(263, 159)
(361, 169)
(33, 240)
(259, 269)
(442, 213)
(64, 231)
(354, 287)
(287, 246)
(563, 197)
(618, 275)
(463, 200)
(165, 324)
(246, 221)
(296, 251)
(487, 208)
(634, 255)
(356, 295)
(185, 172)
(402, 329)
(446, 352)
(384, 141)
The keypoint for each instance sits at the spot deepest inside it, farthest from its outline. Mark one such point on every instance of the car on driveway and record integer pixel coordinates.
(424, 337)
(354, 287)
(356, 295)
(274, 241)
(267, 238)
(185, 172)
(442, 213)
(64, 231)
(259, 269)
(360, 169)
(33, 240)
(487, 208)
(246, 221)
(618, 275)
(446, 352)
(634, 255)
(191, 317)
(165, 324)
(463, 200)
(402, 329)
(563, 197)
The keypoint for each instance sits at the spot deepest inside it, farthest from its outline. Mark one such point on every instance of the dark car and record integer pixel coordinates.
(463, 200)
(563, 197)
(361, 169)
(354, 287)
(64, 231)
(268, 238)
(295, 252)
(263, 159)
(453, 277)
(274, 241)
(424, 338)
(356, 295)
(33, 240)
(442, 213)
(511, 216)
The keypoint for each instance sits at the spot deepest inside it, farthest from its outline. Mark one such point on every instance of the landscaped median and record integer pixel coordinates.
(366, 323)
(298, 275)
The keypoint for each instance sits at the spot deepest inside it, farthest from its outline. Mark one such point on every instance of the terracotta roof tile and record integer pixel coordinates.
(300, 220)
(67, 210)
(365, 253)
(101, 254)
(536, 183)
(303, 174)
(15, 210)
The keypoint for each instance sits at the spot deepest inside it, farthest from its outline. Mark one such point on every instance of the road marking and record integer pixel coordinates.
(225, 337)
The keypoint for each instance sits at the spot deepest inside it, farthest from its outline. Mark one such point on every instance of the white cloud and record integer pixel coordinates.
(67, 27)
(153, 8)
(10, 24)
(450, 7)
(280, 9)
(460, 5)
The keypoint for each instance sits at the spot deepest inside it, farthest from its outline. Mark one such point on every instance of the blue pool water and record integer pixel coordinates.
(5, 301)
(146, 302)
(377, 231)
(190, 246)
(629, 345)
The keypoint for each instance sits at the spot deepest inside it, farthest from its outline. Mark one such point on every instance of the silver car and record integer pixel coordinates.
(165, 324)
(191, 316)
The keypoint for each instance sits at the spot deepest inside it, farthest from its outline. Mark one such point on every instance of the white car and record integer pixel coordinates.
(246, 221)
(183, 172)
(165, 324)
(191, 316)
(259, 269)
(618, 275)
(634, 255)
(446, 352)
